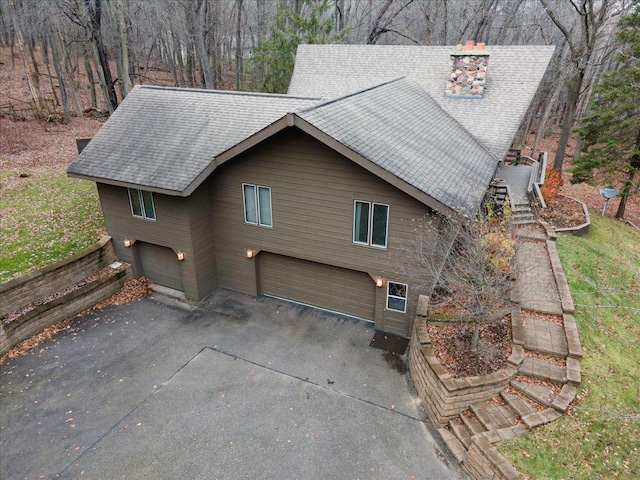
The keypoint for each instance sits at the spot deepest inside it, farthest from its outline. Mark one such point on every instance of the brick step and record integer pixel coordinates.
(520, 406)
(573, 338)
(544, 370)
(461, 432)
(546, 337)
(495, 436)
(540, 418)
(453, 444)
(574, 376)
(493, 416)
(473, 424)
(546, 396)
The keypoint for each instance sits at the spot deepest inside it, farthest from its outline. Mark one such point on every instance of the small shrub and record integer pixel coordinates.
(552, 184)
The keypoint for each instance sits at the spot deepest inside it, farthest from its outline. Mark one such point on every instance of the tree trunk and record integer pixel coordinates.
(45, 57)
(123, 61)
(198, 15)
(634, 166)
(32, 76)
(239, 44)
(475, 338)
(626, 189)
(568, 121)
(100, 54)
(90, 78)
(542, 124)
(61, 80)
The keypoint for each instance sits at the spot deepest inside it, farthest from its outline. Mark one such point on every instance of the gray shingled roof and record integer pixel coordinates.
(163, 138)
(403, 130)
(513, 76)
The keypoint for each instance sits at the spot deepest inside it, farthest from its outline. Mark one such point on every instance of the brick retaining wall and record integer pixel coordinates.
(37, 285)
(444, 397)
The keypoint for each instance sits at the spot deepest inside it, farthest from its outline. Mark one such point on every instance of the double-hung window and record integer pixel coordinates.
(370, 222)
(397, 297)
(141, 203)
(257, 205)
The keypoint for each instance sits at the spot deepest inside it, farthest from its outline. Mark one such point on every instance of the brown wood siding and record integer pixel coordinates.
(202, 247)
(313, 189)
(318, 284)
(182, 224)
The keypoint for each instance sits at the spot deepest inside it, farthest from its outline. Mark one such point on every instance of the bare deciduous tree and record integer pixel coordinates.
(477, 274)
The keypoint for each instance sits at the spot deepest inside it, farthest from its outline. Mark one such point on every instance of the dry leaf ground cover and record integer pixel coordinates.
(600, 435)
(44, 215)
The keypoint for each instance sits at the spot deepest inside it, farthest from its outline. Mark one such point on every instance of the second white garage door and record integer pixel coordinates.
(325, 286)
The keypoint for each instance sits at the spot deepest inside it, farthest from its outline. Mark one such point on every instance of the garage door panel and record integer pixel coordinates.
(160, 265)
(317, 284)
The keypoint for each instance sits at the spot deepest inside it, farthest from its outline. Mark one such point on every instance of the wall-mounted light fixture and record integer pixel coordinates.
(249, 253)
(379, 282)
(180, 255)
(127, 242)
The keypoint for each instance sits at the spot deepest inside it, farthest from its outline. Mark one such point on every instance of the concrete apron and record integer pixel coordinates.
(237, 388)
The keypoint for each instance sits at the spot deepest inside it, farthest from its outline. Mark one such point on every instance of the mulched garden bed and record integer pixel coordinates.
(563, 212)
(451, 343)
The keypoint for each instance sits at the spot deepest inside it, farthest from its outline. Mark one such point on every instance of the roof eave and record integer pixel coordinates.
(117, 183)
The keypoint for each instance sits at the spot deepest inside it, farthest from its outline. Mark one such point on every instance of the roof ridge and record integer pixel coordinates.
(352, 94)
(226, 92)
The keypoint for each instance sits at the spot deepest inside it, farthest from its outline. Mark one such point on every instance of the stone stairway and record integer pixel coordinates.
(540, 393)
(548, 353)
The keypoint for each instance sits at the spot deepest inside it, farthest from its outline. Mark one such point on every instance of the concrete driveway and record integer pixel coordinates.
(236, 388)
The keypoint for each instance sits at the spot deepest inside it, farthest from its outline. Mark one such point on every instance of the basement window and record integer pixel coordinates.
(141, 203)
(397, 297)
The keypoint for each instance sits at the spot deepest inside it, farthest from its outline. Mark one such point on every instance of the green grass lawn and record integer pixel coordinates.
(600, 437)
(43, 218)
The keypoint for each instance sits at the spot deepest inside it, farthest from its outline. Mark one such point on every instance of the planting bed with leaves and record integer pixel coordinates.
(600, 435)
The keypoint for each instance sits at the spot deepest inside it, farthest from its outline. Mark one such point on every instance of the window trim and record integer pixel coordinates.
(256, 203)
(405, 298)
(143, 209)
(369, 241)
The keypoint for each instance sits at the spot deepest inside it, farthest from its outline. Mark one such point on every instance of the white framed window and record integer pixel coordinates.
(397, 296)
(141, 202)
(370, 223)
(257, 205)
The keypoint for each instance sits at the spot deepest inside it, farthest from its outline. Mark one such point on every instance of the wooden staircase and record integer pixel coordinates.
(522, 214)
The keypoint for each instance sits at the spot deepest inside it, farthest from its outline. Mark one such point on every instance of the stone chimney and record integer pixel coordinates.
(467, 71)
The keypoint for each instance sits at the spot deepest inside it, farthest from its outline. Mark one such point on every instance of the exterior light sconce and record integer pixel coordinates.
(379, 282)
(249, 253)
(180, 255)
(127, 242)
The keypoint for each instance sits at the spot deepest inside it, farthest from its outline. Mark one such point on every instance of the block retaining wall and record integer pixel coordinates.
(442, 396)
(21, 291)
(71, 271)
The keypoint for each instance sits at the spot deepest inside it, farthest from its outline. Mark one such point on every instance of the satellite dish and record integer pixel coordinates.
(608, 192)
